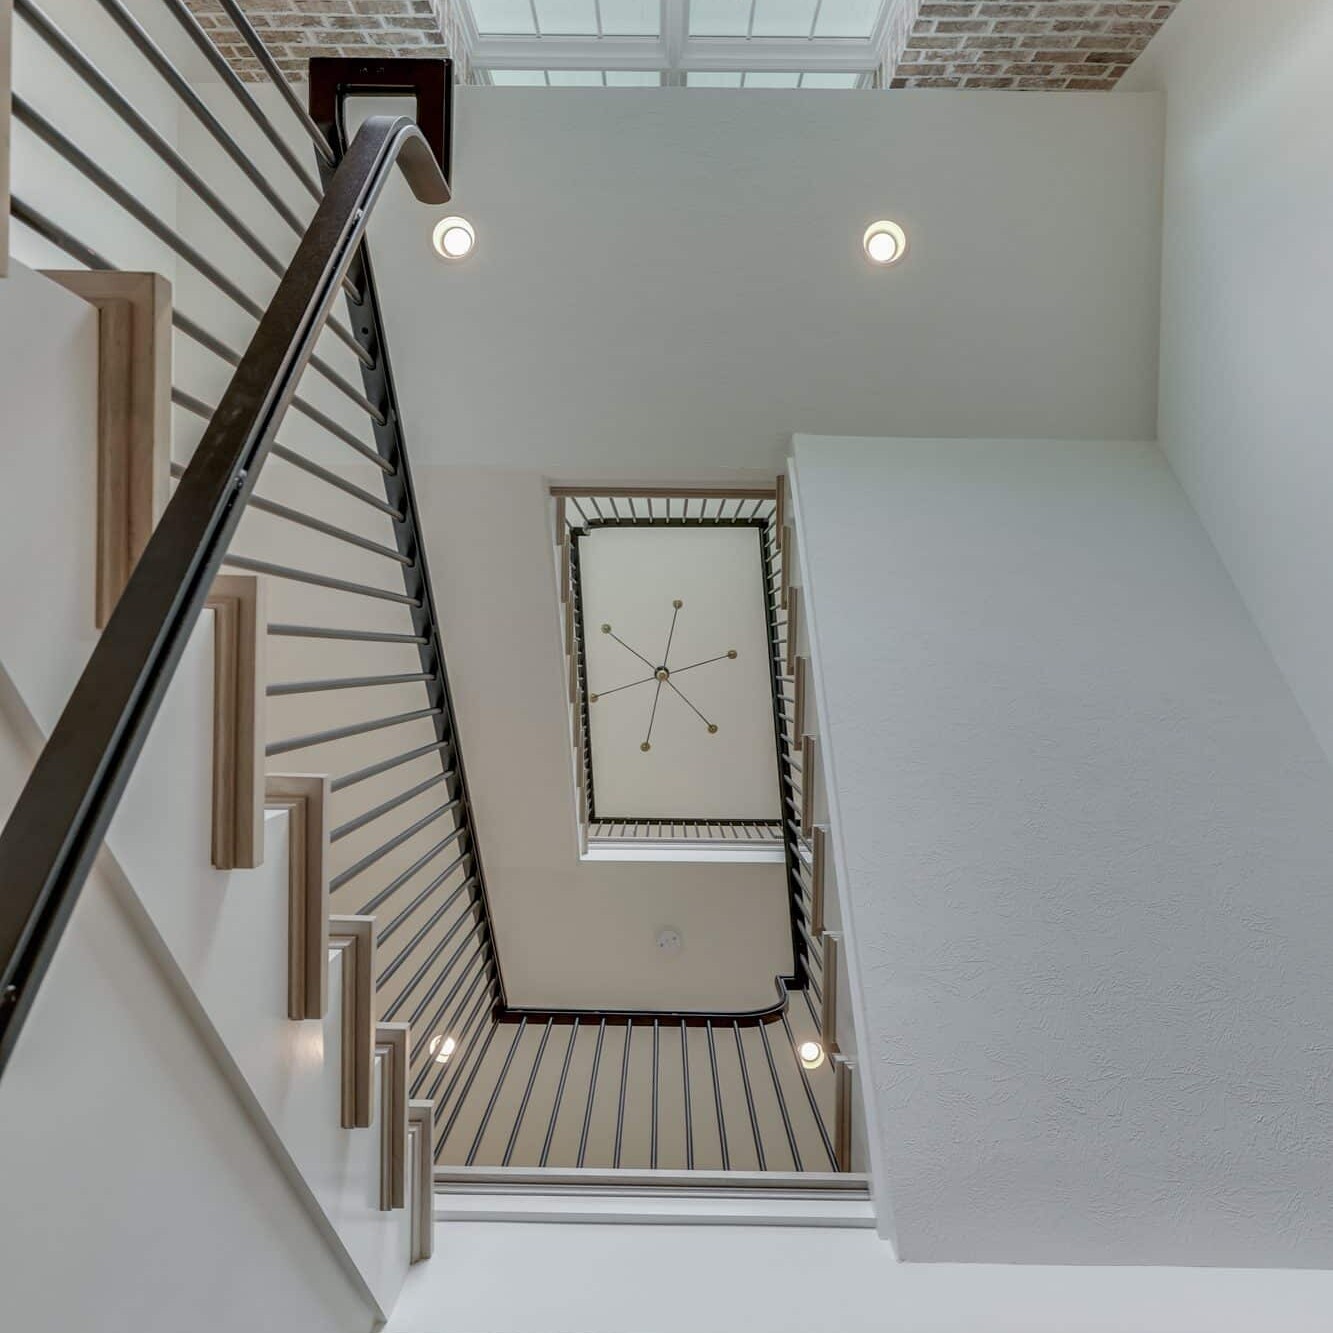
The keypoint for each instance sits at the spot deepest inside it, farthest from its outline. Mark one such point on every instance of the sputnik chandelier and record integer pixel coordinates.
(663, 674)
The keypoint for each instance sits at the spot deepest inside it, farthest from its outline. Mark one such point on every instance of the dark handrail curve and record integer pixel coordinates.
(62, 815)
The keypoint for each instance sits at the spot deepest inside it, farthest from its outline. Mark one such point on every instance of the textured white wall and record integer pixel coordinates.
(1085, 834)
(1247, 279)
(673, 279)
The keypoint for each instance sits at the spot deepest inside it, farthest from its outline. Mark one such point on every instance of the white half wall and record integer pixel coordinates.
(138, 1194)
(672, 280)
(1082, 839)
(1246, 398)
(664, 1279)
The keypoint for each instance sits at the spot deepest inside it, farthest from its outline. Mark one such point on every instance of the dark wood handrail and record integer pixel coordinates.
(62, 815)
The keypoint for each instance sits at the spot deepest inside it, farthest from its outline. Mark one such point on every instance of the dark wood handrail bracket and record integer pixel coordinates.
(62, 815)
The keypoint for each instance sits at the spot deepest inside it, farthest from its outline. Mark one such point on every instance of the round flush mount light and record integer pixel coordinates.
(454, 238)
(884, 242)
(811, 1054)
(442, 1047)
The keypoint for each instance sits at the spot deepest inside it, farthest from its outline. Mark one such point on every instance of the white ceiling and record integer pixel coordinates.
(630, 578)
(708, 43)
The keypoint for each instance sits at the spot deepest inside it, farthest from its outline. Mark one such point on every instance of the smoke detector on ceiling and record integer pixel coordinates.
(668, 940)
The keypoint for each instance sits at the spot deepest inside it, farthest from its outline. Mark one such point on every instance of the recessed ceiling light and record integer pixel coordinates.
(442, 1047)
(811, 1054)
(884, 242)
(454, 238)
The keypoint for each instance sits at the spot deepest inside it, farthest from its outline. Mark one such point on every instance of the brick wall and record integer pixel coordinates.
(295, 30)
(1026, 44)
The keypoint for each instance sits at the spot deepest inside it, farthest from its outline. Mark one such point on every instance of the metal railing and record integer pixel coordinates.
(261, 247)
(360, 690)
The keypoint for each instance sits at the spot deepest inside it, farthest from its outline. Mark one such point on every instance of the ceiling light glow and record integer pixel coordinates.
(884, 242)
(454, 238)
(442, 1047)
(811, 1054)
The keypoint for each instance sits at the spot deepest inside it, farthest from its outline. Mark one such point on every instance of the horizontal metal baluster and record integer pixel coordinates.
(749, 1097)
(55, 139)
(351, 826)
(333, 479)
(440, 977)
(345, 683)
(717, 1098)
(810, 1097)
(624, 1079)
(51, 231)
(93, 77)
(782, 1098)
(592, 1091)
(559, 1093)
(341, 733)
(364, 863)
(463, 1033)
(685, 1083)
(354, 635)
(495, 1092)
(224, 352)
(652, 1146)
(466, 1088)
(314, 524)
(527, 1094)
(222, 67)
(261, 52)
(425, 893)
(201, 409)
(182, 88)
(384, 765)
(423, 930)
(318, 580)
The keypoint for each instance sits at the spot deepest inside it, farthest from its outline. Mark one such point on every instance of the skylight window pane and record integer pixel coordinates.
(810, 79)
(783, 18)
(576, 78)
(719, 18)
(518, 78)
(847, 18)
(631, 18)
(503, 16)
(567, 18)
(756, 78)
(712, 79)
(633, 78)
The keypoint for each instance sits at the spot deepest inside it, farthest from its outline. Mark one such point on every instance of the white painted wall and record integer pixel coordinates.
(673, 281)
(656, 1279)
(138, 1192)
(1082, 836)
(1245, 394)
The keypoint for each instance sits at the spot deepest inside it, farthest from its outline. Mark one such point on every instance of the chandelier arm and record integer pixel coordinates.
(692, 708)
(666, 656)
(721, 657)
(636, 653)
(601, 694)
(657, 694)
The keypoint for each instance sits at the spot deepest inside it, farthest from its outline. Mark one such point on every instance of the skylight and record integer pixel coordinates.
(692, 43)
(784, 18)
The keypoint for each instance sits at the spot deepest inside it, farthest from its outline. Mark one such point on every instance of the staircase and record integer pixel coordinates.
(230, 697)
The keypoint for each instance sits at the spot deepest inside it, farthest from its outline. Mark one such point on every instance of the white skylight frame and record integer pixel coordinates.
(673, 52)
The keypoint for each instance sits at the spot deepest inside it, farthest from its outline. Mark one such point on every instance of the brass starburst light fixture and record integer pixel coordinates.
(663, 673)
